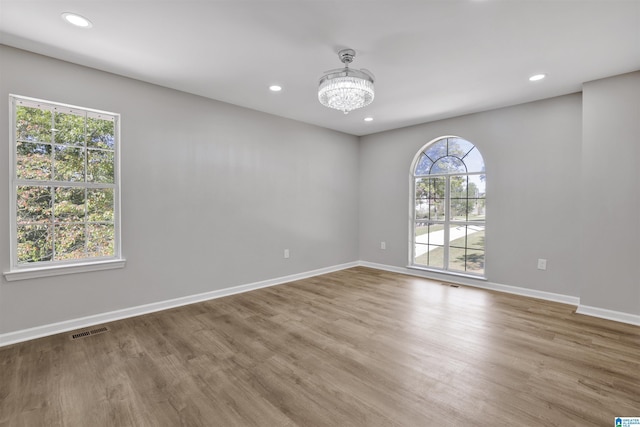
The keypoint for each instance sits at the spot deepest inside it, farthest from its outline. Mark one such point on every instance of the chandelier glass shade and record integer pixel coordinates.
(346, 89)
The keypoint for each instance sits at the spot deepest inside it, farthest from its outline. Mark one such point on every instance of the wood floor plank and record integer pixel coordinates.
(358, 347)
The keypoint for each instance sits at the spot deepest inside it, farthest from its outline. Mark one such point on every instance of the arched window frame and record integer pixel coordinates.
(447, 223)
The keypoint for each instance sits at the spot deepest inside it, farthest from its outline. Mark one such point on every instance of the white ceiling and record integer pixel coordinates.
(431, 59)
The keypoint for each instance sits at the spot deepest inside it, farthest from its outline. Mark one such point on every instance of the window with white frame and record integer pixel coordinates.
(448, 206)
(65, 185)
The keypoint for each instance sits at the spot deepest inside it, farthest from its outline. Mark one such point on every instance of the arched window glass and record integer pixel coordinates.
(448, 164)
(449, 207)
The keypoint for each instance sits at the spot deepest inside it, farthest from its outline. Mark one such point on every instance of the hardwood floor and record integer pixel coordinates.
(358, 347)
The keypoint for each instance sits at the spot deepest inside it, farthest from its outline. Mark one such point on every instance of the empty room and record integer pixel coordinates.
(319, 213)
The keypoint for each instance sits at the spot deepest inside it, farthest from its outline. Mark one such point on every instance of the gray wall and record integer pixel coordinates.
(563, 184)
(532, 158)
(610, 257)
(212, 194)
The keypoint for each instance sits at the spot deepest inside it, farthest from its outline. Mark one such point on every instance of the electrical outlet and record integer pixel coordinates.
(542, 264)
(286, 253)
(383, 245)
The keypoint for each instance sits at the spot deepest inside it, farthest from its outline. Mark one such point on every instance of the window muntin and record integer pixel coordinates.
(448, 213)
(65, 190)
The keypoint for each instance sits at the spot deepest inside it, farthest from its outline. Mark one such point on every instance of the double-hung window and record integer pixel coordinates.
(65, 190)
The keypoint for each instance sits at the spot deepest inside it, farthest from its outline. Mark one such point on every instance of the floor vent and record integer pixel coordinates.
(451, 285)
(88, 333)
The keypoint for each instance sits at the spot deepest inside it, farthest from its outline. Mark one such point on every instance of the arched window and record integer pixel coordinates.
(448, 207)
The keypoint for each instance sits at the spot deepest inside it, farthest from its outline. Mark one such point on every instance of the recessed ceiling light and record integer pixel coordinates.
(537, 77)
(275, 88)
(77, 20)
(368, 119)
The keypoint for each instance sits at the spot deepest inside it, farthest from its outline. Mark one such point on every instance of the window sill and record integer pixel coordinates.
(58, 270)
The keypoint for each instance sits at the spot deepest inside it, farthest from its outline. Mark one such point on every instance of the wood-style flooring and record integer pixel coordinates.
(358, 347)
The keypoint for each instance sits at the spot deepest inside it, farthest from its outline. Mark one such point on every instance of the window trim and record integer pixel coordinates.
(412, 214)
(59, 270)
(54, 268)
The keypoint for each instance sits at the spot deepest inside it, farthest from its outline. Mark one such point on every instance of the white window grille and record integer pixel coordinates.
(65, 191)
(448, 207)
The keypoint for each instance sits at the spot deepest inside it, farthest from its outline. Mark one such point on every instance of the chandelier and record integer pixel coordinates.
(346, 89)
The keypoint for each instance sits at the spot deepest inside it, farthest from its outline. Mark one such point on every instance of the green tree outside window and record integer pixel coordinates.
(65, 182)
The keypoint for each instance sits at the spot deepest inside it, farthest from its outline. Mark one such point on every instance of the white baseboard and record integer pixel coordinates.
(602, 313)
(477, 283)
(618, 316)
(83, 322)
